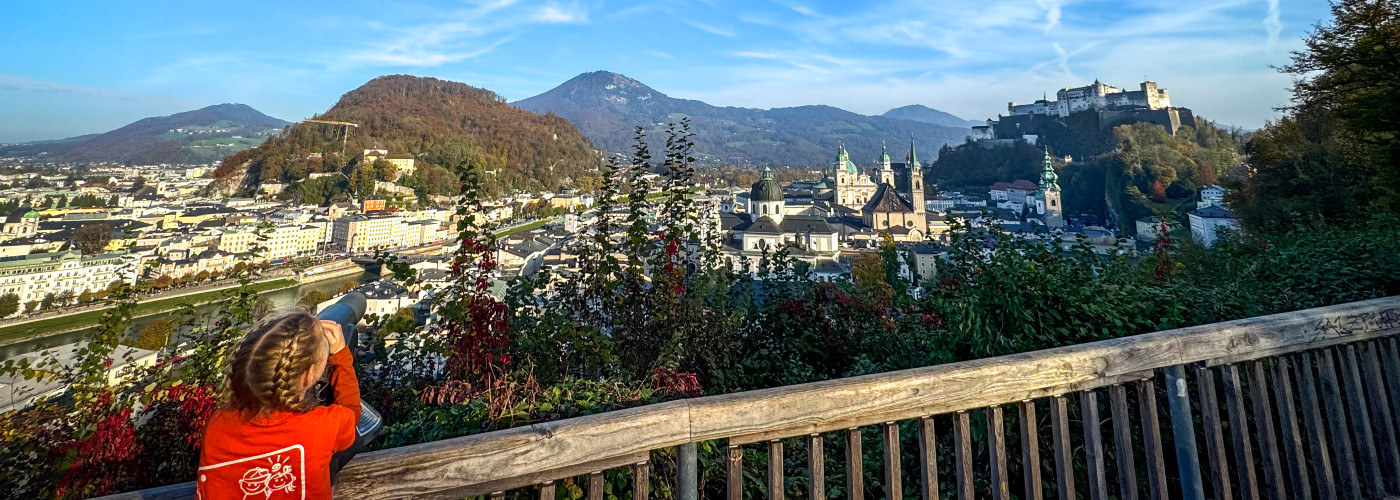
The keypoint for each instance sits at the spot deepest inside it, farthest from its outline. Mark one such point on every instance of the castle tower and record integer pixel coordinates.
(1047, 199)
(916, 181)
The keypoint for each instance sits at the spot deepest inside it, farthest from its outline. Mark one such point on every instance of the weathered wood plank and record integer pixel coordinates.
(547, 491)
(1152, 439)
(1030, 450)
(1123, 442)
(1390, 366)
(1383, 425)
(595, 486)
(1301, 487)
(1337, 427)
(816, 467)
(497, 495)
(962, 454)
(1093, 445)
(775, 470)
(928, 459)
(996, 451)
(1264, 425)
(1319, 453)
(734, 473)
(1367, 457)
(855, 469)
(894, 488)
(1239, 433)
(641, 481)
(1059, 433)
(1217, 466)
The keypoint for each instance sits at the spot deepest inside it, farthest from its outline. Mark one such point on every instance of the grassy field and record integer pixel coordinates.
(89, 318)
(527, 227)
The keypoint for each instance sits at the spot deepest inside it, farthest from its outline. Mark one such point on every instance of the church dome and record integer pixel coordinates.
(766, 189)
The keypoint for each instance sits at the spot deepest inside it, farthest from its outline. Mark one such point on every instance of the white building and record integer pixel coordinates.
(37, 275)
(1095, 96)
(1211, 195)
(1208, 223)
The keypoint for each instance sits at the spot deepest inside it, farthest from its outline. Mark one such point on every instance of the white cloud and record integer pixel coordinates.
(712, 29)
(1271, 22)
(465, 34)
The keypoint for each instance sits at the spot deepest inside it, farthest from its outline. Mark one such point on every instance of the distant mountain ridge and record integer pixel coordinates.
(200, 136)
(921, 113)
(607, 107)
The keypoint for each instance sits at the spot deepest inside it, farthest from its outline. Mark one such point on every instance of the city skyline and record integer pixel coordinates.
(92, 74)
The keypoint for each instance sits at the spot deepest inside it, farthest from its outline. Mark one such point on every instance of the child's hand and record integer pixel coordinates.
(333, 335)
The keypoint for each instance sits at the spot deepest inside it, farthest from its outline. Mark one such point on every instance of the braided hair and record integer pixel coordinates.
(267, 367)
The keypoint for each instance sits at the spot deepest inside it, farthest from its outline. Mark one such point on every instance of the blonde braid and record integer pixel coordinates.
(268, 366)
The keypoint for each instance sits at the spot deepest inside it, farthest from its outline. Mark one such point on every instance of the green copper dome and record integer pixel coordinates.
(1049, 180)
(766, 189)
(884, 154)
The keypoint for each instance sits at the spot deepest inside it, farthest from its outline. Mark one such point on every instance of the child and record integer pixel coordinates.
(271, 440)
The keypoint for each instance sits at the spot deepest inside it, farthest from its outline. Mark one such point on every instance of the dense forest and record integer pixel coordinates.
(443, 124)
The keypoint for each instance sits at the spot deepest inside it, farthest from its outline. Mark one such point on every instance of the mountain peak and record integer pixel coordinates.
(925, 114)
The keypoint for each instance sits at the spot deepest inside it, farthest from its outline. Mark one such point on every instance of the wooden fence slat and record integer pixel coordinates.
(1239, 433)
(894, 484)
(1367, 458)
(1093, 445)
(1337, 427)
(1217, 465)
(816, 467)
(855, 469)
(641, 483)
(928, 460)
(497, 495)
(1264, 426)
(1288, 425)
(775, 470)
(1319, 453)
(595, 485)
(547, 491)
(962, 454)
(1059, 432)
(996, 451)
(1123, 442)
(1030, 450)
(1391, 369)
(1383, 425)
(735, 473)
(1152, 439)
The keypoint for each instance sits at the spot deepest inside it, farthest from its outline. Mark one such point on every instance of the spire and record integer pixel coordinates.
(884, 154)
(767, 174)
(1049, 180)
(913, 158)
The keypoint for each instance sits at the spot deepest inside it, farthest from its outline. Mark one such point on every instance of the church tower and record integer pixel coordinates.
(1047, 200)
(846, 176)
(916, 180)
(766, 199)
(886, 172)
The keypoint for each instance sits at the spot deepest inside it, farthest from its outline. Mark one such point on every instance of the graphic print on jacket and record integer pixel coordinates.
(279, 471)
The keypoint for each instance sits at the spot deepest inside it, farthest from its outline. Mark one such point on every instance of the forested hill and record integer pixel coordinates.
(607, 107)
(441, 123)
(200, 136)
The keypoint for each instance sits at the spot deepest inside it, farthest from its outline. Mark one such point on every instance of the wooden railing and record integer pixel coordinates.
(1293, 405)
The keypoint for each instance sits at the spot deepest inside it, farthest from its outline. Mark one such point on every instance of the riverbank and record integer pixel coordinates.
(50, 326)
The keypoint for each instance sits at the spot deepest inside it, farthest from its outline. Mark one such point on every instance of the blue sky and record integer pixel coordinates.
(76, 67)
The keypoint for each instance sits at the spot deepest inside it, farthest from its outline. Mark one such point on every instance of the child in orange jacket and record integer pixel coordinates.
(271, 440)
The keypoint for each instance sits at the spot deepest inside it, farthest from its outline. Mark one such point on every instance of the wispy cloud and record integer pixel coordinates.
(1271, 22)
(467, 33)
(1052, 14)
(712, 29)
(19, 83)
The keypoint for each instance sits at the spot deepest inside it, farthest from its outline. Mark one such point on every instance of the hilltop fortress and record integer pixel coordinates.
(1113, 106)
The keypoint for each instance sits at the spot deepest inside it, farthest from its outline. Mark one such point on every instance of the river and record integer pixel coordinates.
(284, 300)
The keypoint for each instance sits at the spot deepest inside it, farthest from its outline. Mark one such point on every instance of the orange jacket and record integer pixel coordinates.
(282, 455)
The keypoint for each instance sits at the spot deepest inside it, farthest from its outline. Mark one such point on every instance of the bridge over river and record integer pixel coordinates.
(1298, 405)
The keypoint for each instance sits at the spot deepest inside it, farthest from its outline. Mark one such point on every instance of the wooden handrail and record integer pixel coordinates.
(501, 460)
